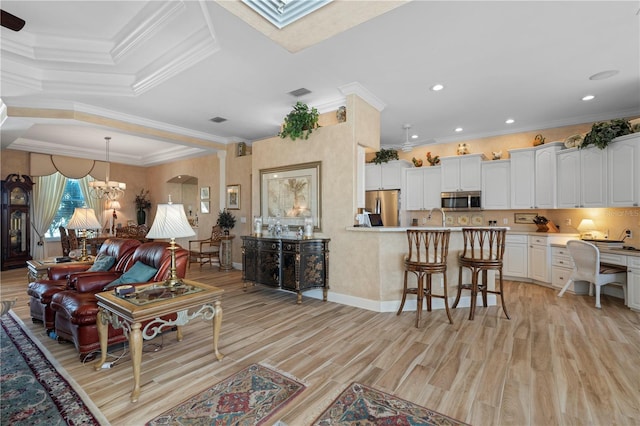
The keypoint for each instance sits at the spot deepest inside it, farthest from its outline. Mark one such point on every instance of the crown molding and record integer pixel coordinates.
(356, 88)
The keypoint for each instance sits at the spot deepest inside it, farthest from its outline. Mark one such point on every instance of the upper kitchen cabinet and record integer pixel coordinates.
(495, 184)
(522, 178)
(582, 177)
(545, 176)
(623, 158)
(422, 188)
(461, 173)
(533, 176)
(385, 175)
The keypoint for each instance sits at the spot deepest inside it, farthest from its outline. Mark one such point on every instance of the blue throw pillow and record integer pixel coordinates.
(102, 263)
(139, 273)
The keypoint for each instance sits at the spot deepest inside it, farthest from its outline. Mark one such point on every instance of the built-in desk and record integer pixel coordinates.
(290, 264)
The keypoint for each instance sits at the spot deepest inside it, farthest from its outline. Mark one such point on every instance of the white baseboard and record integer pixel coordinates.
(392, 305)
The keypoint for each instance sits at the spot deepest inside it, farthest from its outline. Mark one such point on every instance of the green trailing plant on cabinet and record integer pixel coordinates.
(300, 122)
(385, 155)
(605, 131)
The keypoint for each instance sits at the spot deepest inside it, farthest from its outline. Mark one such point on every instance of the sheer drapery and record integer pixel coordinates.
(98, 205)
(47, 194)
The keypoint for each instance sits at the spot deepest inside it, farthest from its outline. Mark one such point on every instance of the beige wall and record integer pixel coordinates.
(335, 146)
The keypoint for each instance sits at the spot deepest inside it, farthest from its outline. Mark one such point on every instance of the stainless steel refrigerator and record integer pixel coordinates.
(386, 203)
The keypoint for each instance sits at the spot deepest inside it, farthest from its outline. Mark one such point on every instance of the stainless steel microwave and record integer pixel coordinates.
(461, 200)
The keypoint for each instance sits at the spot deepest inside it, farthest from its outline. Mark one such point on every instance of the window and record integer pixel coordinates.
(71, 199)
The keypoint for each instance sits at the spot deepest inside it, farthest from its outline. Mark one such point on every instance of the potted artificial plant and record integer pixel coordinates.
(226, 221)
(300, 122)
(605, 131)
(385, 155)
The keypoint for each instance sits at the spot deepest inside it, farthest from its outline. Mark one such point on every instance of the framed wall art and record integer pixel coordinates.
(233, 197)
(204, 193)
(204, 207)
(524, 217)
(291, 194)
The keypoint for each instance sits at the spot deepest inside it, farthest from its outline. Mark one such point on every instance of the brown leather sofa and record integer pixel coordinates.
(77, 309)
(42, 291)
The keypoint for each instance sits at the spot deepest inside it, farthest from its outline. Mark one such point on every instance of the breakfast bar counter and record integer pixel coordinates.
(385, 248)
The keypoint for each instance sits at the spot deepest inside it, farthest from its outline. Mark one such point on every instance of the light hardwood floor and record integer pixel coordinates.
(557, 361)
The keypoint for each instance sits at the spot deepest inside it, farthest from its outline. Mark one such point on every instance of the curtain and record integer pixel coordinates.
(47, 194)
(98, 205)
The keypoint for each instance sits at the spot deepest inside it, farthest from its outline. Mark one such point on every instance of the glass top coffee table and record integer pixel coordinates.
(142, 316)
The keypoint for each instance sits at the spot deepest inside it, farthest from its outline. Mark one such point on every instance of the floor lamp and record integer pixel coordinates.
(171, 222)
(83, 219)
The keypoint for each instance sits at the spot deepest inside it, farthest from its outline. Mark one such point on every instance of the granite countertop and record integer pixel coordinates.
(634, 253)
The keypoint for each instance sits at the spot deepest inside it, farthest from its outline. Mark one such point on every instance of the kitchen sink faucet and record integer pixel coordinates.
(441, 211)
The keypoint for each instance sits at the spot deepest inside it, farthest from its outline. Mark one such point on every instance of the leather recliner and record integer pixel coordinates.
(42, 291)
(77, 309)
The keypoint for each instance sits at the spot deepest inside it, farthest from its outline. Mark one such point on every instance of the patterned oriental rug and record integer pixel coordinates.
(34, 389)
(249, 397)
(363, 406)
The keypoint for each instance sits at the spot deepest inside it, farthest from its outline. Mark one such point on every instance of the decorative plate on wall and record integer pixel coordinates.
(449, 220)
(463, 220)
(477, 220)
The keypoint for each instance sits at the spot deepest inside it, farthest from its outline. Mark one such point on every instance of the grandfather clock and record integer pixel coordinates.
(16, 235)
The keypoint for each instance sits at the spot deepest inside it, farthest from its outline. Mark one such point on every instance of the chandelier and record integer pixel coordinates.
(109, 189)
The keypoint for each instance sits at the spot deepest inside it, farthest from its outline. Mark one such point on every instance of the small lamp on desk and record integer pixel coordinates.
(83, 219)
(171, 222)
(586, 228)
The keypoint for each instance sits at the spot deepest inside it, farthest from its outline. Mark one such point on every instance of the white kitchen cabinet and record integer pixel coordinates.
(582, 178)
(495, 184)
(545, 175)
(522, 180)
(515, 256)
(533, 176)
(422, 191)
(633, 283)
(461, 173)
(539, 259)
(623, 156)
(385, 175)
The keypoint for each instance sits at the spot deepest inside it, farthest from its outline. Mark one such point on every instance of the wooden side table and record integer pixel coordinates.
(226, 260)
(37, 269)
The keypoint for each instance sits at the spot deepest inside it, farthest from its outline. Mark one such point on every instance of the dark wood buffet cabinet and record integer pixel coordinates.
(290, 264)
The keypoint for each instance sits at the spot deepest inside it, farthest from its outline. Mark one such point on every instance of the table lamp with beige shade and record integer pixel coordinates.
(171, 222)
(587, 229)
(115, 205)
(82, 220)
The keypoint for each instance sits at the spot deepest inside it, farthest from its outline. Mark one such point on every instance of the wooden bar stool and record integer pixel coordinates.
(428, 251)
(483, 251)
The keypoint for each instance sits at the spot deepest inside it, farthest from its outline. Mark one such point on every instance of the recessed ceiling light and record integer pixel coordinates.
(588, 98)
(414, 136)
(218, 119)
(458, 129)
(510, 121)
(604, 74)
(437, 87)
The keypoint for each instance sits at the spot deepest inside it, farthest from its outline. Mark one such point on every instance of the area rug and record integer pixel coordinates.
(34, 388)
(361, 405)
(249, 397)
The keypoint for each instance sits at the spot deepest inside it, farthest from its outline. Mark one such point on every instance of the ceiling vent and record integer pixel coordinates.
(300, 92)
(218, 119)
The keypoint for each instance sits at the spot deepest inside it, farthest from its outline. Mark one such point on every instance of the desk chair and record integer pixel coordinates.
(587, 267)
(428, 251)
